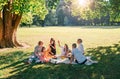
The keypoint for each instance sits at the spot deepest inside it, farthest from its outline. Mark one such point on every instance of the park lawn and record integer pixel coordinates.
(102, 43)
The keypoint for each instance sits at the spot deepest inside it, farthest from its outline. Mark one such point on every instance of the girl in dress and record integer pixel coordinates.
(45, 55)
(64, 50)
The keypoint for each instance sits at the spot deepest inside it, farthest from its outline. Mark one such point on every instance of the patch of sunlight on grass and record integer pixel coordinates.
(102, 77)
(117, 52)
(94, 75)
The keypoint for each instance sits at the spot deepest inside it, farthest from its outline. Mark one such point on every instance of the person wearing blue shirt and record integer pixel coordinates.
(77, 55)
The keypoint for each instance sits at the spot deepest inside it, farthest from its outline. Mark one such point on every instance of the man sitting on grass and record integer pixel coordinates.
(78, 56)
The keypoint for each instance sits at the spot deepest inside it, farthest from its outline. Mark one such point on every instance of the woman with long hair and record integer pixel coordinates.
(64, 50)
(52, 46)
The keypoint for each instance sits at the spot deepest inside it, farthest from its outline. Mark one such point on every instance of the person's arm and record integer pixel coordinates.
(53, 46)
(38, 54)
(68, 54)
(36, 51)
(71, 59)
(59, 43)
(49, 50)
(82, 49)
(42, 54)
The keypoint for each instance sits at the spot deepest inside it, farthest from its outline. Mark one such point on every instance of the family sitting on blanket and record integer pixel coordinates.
(76, 56)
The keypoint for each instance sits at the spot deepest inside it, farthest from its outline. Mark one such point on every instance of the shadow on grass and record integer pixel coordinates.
(11, 57)
(108, 67)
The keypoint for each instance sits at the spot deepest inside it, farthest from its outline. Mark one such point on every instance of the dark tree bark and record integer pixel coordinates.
(8, 27)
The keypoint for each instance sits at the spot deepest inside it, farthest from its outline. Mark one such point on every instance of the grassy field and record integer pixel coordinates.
(103, 44)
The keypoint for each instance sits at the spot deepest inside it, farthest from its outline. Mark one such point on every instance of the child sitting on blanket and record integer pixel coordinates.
(81, 49)
(64, 50)
(78, 56)
(80, 46)
(36, 54)
(45, 55)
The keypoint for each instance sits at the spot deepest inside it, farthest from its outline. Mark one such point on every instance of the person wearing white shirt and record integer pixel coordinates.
(64, 49)
(77, 55)
(80, 46)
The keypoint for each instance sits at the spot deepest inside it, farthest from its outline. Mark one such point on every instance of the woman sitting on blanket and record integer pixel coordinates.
(52, 46)
(65, 52)
(45, 55)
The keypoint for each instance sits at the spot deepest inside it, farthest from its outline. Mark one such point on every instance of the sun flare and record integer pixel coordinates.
(83, 3)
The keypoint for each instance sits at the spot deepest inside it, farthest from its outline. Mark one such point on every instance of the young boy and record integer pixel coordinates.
(80, 46)
(37, 53)
(77, 55)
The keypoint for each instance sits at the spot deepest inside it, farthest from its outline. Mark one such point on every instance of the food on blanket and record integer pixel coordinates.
(62, 57)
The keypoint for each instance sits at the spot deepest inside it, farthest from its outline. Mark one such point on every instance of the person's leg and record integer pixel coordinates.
(53, 61)
(76, 61)
(31, 59)
(37, 60)
(92, 61)
(84, 62)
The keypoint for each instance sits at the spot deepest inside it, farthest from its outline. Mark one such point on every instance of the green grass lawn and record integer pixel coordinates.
(100, 43)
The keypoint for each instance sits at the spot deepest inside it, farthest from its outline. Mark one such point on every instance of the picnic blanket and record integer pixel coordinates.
(67, 61)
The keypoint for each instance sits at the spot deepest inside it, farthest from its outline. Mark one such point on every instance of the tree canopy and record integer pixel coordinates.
(36, 7)
(89, 9)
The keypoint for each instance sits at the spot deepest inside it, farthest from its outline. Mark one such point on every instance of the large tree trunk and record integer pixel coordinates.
(8, 27)
(1, 26)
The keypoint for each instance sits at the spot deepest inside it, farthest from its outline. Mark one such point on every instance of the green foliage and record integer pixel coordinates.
(52, 4)
(27, 18)
(51, 18)
(20, 6)
(23, 6)
(114, 10)
(2, 3)
(90, 9)
(96, 9)
(35, 7)
(39, 9)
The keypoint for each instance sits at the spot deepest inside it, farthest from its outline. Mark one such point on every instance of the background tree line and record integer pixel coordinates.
(64, 14)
